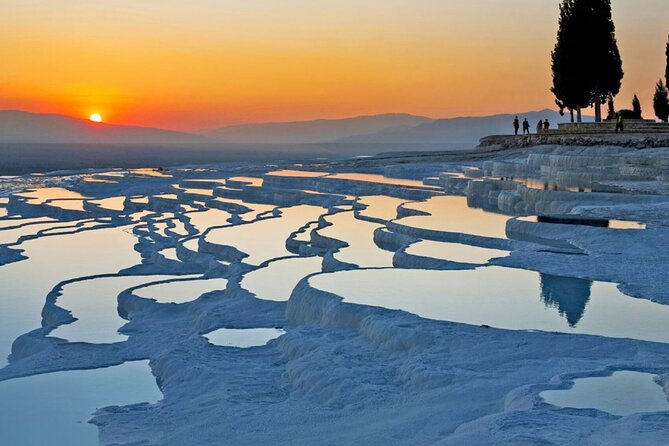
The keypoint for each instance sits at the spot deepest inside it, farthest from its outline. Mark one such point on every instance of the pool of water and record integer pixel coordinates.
(277, 280)
(452, 214)
(204, 220)
(381, 206)
(51, 260)
(13, 222)
(505, 298)
(94, 303)
(111, 203)
(192, 244)
(43, 194)
(197, 191)
(140, 200)
(169, 253)
(12, 235)
(243, 338)
(251, 181)
(623, 393)
(67, 229)
(68, 205)
(150, 173)
(180, 291)
(375, 178)
(266, 239)
(53, 409)
(455, 252)
(359, 235)
(297, 173)
(306, 235)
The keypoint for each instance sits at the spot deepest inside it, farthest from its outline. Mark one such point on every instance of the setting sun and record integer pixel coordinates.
(95, 117)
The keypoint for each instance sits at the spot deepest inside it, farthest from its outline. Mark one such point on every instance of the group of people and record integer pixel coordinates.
(541, 125)
(545, 125)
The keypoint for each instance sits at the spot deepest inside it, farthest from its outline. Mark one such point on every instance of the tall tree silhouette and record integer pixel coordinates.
(569, 90)
(666, 73)
(636, 107)
(587, 68)
(661, 101)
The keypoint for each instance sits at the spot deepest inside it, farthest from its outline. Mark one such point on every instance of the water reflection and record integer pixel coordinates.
(455, 252)
(56, 259)
(381, 179)
(584, 221)
(381, 206)
(504, 298)
(43, 194)
(359, 235)
(297, 173)
(568, 295)
(94, 303)
(277, 280)
(453, 214)
(265, 239)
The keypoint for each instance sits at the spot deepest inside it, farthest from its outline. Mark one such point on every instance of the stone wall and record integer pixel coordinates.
(630, 125)
(635, 140)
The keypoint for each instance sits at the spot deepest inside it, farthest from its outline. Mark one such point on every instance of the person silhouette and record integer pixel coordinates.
(547, 125)
(526, 127)
(619, 123)
(516, 125)
(540, 126)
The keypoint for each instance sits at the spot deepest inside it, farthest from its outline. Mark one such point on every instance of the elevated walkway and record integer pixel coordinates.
(638, 133)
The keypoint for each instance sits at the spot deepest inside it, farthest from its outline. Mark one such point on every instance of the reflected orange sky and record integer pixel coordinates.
(207, 63)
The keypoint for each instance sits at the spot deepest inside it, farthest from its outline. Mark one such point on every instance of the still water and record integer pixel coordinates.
(623, 393)
(53, 409)
(243, 338)
(504, 298)
(56, 258)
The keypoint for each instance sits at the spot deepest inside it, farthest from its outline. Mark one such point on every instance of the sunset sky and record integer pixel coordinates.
(200, 64)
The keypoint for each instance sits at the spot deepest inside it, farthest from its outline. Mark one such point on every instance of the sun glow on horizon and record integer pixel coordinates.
(95, 117)
(206, 64)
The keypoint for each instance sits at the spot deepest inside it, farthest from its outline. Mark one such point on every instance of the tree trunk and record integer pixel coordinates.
(598, 105)
(578, 114)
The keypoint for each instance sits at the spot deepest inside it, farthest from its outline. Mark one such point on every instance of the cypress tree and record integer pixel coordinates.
(666, 73)
(570, 93)
(602, 70)
(661, 101)
(636, 107)
(587, 68)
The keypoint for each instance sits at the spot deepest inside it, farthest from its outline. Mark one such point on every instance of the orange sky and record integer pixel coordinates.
(206, 63)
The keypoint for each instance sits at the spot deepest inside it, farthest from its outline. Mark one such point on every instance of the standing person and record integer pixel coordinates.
(540, 126)
(516, 125)
(547, 125)
(619, 123)
(526, 127)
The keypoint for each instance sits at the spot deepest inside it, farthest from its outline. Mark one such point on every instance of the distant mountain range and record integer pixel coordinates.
(316, 131)
(24, 127)
(466, 131)
(377, 130)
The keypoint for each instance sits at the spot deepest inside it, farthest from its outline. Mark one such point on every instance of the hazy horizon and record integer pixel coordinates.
(209, 64)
